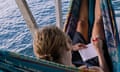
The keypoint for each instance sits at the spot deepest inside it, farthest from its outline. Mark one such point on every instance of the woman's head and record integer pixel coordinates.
(49, 43)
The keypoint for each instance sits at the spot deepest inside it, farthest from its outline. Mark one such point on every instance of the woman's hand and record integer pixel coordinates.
(90, 69)
(78, 46)
(96, 69)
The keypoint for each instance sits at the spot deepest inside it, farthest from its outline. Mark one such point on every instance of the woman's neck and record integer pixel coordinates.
(66, 58)
(65, 61)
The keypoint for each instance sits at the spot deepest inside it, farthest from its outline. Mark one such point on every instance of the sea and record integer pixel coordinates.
(15, 36)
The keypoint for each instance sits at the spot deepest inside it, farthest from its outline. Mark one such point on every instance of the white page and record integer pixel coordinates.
(88, 53)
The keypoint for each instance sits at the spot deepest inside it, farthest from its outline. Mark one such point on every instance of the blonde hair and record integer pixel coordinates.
(49, 42)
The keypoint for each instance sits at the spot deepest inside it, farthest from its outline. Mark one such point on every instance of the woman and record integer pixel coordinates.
(50, 43)
(97, 38)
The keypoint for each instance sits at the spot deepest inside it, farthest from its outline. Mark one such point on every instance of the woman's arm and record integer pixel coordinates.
(98, 45)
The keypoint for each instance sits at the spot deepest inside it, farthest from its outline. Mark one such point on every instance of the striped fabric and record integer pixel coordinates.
(13, 62)
(110, 26)
(73, 15)
(111, 32)
(116, 11)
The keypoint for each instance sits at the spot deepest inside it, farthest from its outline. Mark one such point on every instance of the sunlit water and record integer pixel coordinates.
(14, 33)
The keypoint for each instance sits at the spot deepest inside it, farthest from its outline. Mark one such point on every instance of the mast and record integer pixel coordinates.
(58, 14)
(27, 15)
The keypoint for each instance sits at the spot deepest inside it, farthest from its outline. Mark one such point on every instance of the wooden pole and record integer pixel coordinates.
(27, 15)
(58, 14)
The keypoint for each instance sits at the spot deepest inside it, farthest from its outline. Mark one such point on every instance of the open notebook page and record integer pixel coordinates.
(88, 53)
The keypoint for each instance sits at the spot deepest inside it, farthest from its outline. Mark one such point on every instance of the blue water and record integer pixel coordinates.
(14, 33)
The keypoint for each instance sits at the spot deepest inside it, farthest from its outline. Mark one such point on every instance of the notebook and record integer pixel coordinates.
(88, 53)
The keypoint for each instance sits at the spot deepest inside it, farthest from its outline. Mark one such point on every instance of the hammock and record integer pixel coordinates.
(110, 27)
(73, 16)
(111, 33)
(13, 62)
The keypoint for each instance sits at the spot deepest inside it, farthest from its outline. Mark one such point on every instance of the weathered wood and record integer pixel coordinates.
(27, 15)
(58, 14)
